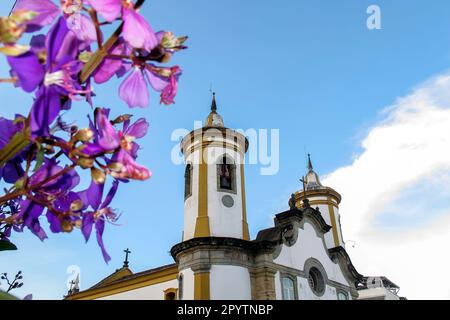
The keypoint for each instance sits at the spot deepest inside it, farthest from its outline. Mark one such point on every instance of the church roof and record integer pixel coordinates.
(122, 278)
(113, 277)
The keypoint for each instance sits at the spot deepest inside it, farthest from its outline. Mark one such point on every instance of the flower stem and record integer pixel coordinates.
(8, 80)
(21, 192)
(93, 15)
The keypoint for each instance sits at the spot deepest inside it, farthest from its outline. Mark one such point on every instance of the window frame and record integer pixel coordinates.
(320, 281)
(345, 293)
(293, 279)
(188, 174)
(229, 161)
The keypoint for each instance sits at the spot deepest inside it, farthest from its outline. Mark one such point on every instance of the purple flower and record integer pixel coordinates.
(58, 78)
(133, 23)
(92, 197)
(30, 213)
(121, 144)
(53, 195)
(111, 66)
(133, 89)
(46, 12)
(12, 170)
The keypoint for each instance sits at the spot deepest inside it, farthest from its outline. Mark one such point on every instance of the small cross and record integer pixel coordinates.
(303, 181)
(125, 263)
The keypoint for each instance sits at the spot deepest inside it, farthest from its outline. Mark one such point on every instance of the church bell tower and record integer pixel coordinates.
(327, 200)
(214, 198)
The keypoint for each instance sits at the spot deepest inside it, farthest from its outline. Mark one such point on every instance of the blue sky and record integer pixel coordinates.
(309, 68)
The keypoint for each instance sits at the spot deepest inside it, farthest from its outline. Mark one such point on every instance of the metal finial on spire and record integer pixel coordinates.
(126, 262)
(213, 103)
(310, 166)
(12, 9)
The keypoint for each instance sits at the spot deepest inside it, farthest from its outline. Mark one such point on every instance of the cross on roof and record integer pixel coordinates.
(127, 252)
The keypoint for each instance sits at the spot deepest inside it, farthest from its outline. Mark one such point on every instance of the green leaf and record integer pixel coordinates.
(17, 143)
(39, 159)
(6, 245)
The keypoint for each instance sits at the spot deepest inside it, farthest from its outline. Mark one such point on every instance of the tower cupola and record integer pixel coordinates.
(326, 199)
(312, 181)
(214, 180)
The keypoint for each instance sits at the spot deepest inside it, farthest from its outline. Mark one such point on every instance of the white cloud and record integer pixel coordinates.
(396, 194)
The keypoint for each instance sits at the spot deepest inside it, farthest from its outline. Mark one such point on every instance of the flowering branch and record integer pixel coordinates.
(40, 155)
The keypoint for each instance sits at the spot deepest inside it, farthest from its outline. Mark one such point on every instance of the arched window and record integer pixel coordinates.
(226, 175)
(289, 288)
(188, 181)
(170, 294)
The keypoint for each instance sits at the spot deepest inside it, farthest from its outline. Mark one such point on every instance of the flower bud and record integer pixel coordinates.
(84, 135)
(115, 166)
(170, 41)
(78, 223)
(14, 50)
(66, 226)
(48, 149)
(85, 162)
(85, 56)
(98, 176)
(77, 205)
(19, 184)
(21, 16)
(121, 118)
(10, 31)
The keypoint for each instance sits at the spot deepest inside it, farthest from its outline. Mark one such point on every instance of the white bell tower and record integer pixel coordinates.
(214, 204)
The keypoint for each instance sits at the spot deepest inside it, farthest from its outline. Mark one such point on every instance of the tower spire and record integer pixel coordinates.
(310, 166)
(213, 103)
(214, 119)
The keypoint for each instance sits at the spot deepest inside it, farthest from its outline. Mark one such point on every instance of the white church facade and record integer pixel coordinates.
(302, 257)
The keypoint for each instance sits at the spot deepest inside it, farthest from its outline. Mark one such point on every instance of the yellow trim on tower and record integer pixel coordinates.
(334, 225)
(202, 223)
(201, 286)
(323, 202)
(323, 192)
(245, 233)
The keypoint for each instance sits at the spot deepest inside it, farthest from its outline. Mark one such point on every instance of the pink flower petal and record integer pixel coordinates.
(110, 66)
(133, 90)
(108, 138)
(157, 82)
(108, 9)
(83, 27)
(137, 129)
(46, 12)
(130, 169)
(137, 32)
